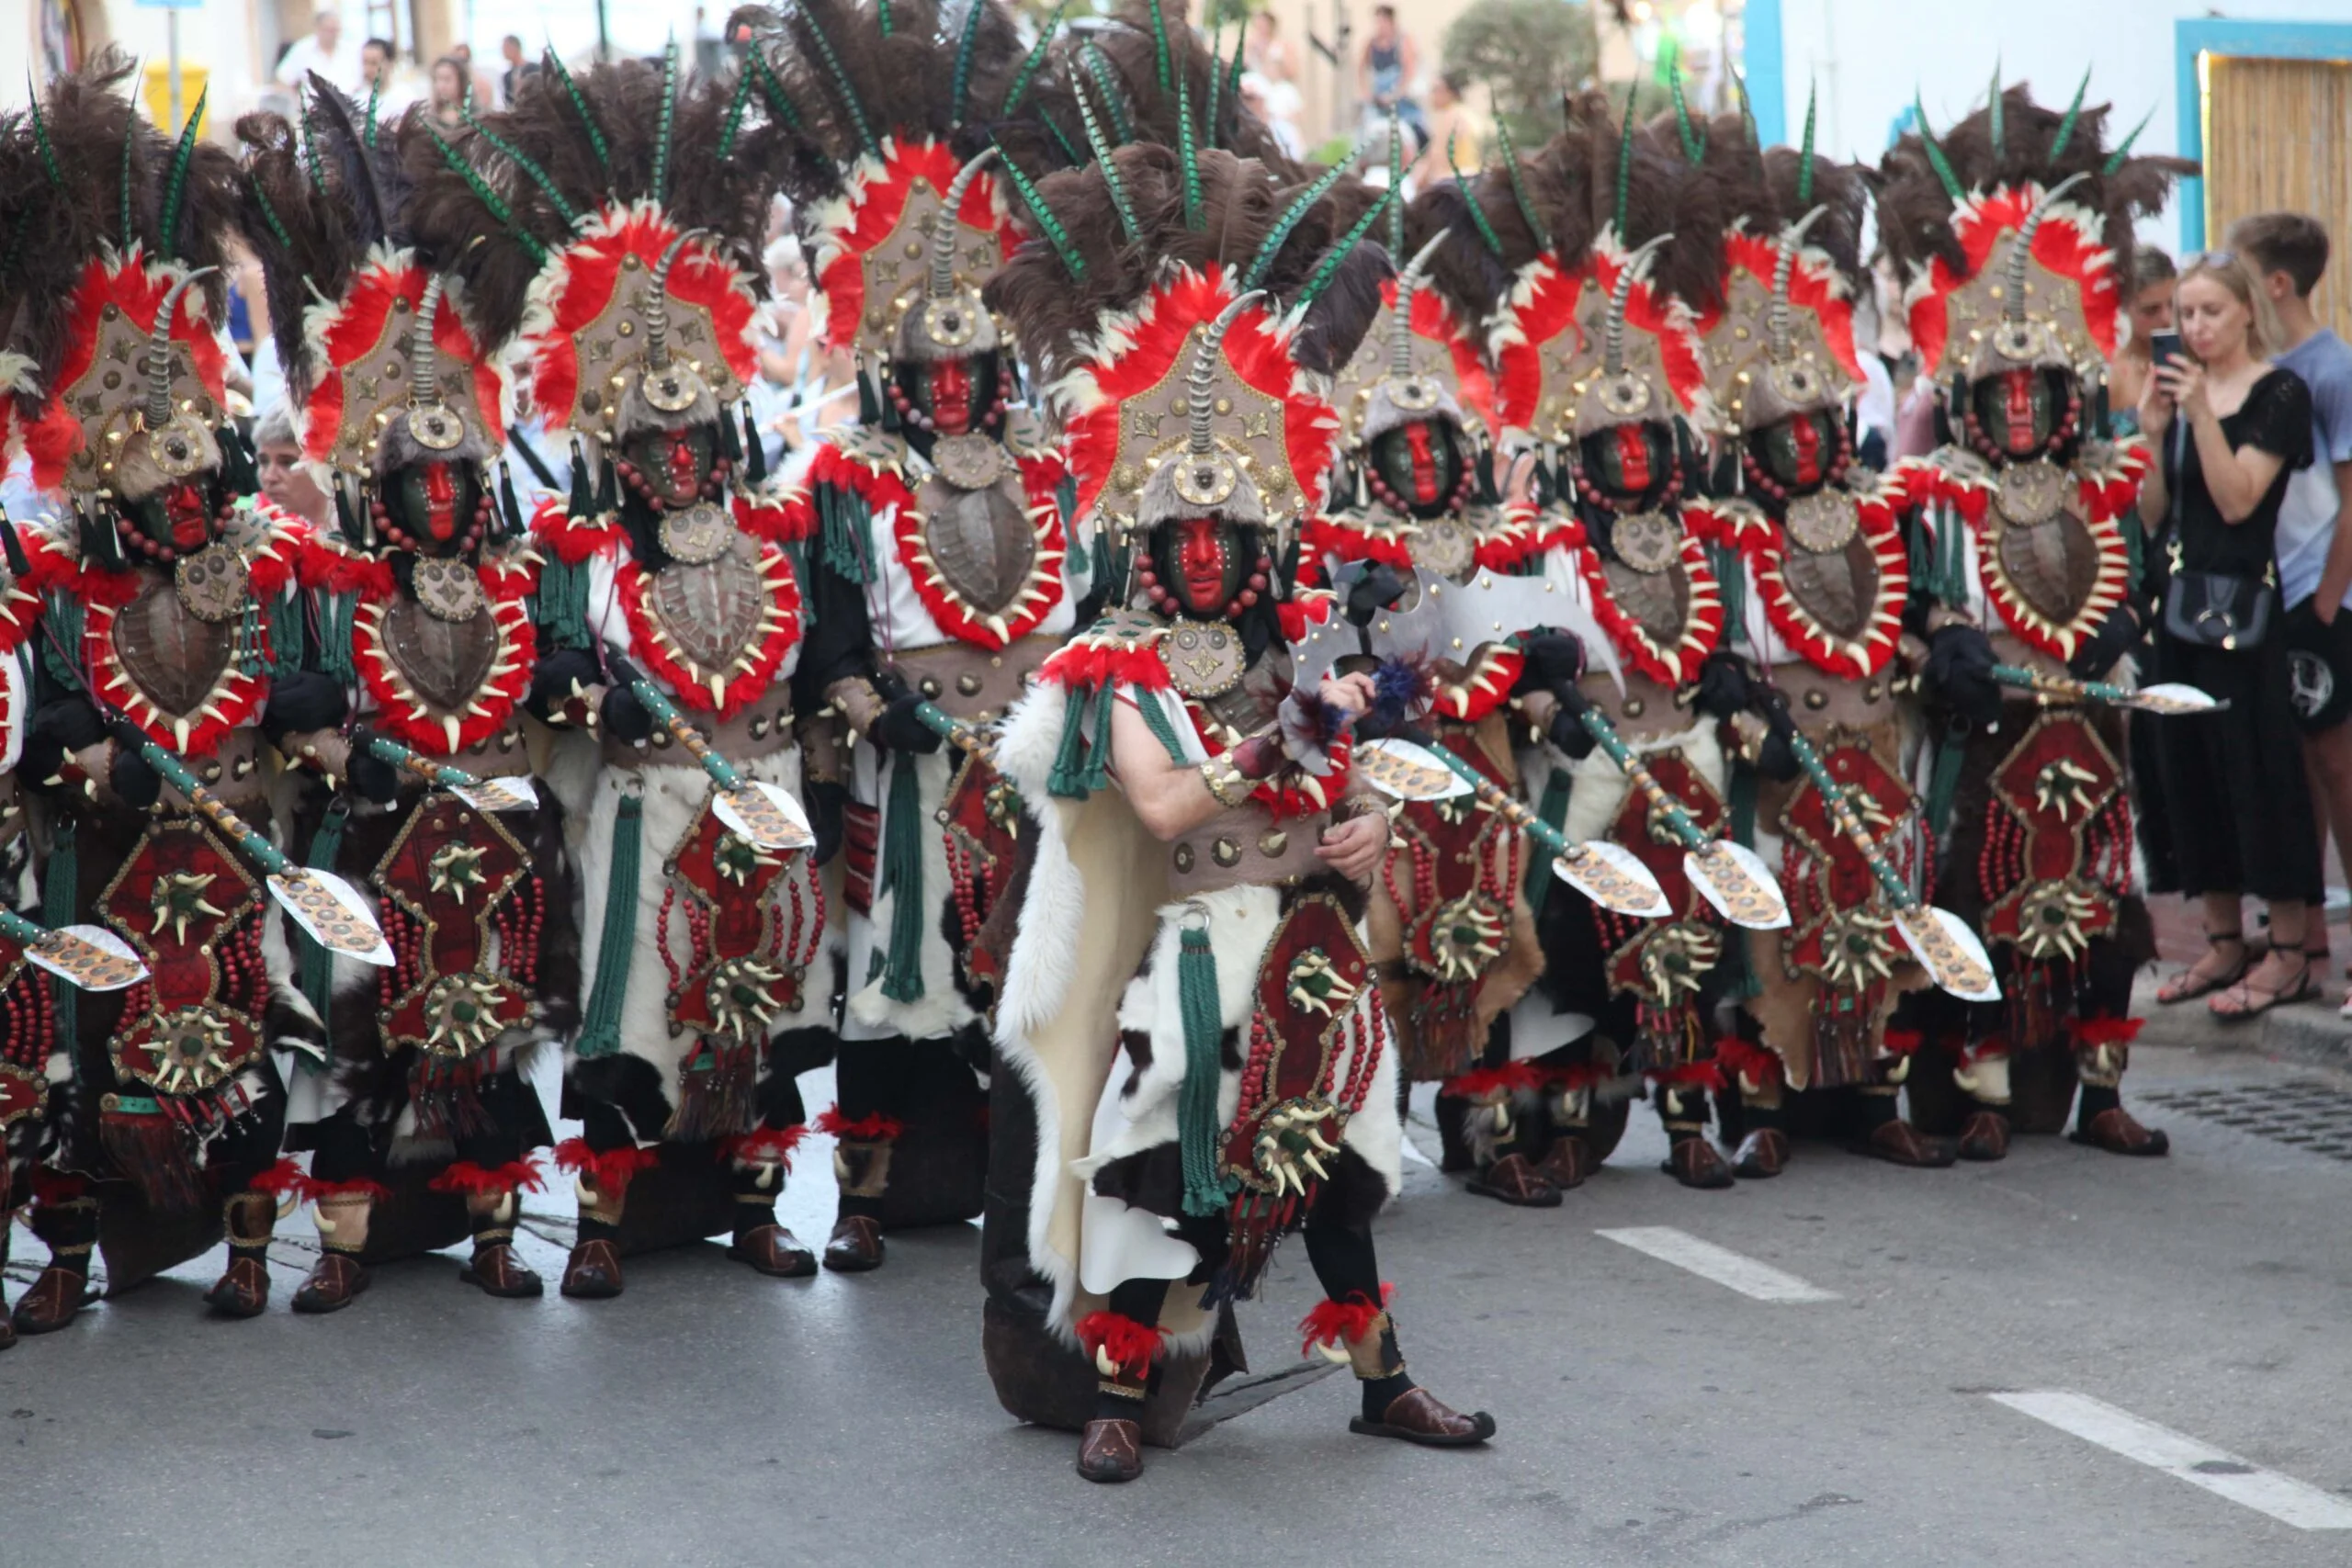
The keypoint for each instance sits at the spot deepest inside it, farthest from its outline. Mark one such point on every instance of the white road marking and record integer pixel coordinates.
(2283, 1498)
(1720, 1264)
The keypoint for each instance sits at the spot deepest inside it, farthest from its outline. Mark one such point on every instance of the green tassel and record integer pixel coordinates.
(61, 891)
(1731, 582)
(1943, 783)
(1066, 779)
(599, 1026)
(902, 832)
(336, 611)
(1154, 718)
(1198, 1126)
(63, 613)
(314, 963)
(1554, 810)
(286, 637)
(561, 610)
(844, 523)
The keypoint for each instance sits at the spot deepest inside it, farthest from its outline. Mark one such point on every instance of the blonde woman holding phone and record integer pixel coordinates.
(2232, 429)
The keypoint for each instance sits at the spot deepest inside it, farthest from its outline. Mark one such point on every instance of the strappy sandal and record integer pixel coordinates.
(2187, 986)
(2301, 987)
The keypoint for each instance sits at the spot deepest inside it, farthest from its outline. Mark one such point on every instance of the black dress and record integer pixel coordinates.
(2233, 781)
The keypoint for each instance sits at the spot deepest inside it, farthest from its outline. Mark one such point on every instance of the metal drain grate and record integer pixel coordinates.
(2313, 1116)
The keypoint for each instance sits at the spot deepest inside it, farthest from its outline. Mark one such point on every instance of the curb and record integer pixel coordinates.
(2306, 1032)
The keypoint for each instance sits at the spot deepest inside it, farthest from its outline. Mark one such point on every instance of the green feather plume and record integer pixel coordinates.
(736, 104)
(1625, 167)
(1190, 154)
(1999, 126)
(1048, 224)
(1694, 141)
(963, 48)
(1160, 45)
(1348, 241)
(1263, 263)
(1493, 242)
(538, 177)
(1106, 82)
(2115, 160)
(1519, 187)
(842, 82)
(176, 188)
(1804, 153)
(1110, 180)
(597, 143)
(2074, 112)
(779, 102)
(40, 136)
(1935, 158)
(1022, 78)
(669, 117)
(488, 197)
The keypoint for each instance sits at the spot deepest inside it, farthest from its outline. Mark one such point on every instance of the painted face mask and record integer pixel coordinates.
(436, 508)
(671, 468)
(2016, 412)
(1634, 465)
(1202, 567)
(1804, 451)
(947, 397)
(1417, 467)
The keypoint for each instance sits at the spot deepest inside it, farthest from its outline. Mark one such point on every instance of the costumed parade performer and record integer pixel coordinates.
(2010, 234)
(620, 214)
(939, 579)
(1190, 1006)
(422, 596)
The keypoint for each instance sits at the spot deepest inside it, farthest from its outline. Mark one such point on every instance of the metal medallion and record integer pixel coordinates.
(447, 589)
(1204, 659)
(436, 429)
(212, 584)
(1444, 546)
(672, 388)
(699, 534)
(179, 447)
(1204, 479)
(1413, 394)
(1649, 542)
(951, 322)
(969, 462)
(2032, 491)
(1824, 520)
(1626, 395)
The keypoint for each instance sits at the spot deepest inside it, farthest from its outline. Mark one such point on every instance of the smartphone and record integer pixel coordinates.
(2164, 345)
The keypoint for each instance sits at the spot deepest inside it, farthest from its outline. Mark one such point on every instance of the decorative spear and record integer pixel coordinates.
(2165, 697)
(764, 813)
(481, 794)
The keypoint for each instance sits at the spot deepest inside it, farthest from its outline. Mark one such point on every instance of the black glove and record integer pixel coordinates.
(134, 782)
(60, 729)
(1549, 659)
(1775, 759)
(1959, 674)
(552, 682)
(2106, 647)
(824, 801)
(627, 719)
(1725, 686)
(898, 728)
(1376, 591)
(1566, 732)
(302, 701)
(373, 777)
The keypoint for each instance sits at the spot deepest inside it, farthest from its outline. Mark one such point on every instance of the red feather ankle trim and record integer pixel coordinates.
(1487, 1085)
(1745, 1060)
(2094, 1031)
(284, 1179)
(608, 1171)
(1689, 1074)
(358, 1187)
(58, 1186)
(770, 1146)
(1130, 1345)
(481, 1180)
(1343, 1323)
(874, 1128)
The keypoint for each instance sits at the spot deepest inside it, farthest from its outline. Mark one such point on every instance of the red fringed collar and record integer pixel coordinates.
(725, 691)
(1703, 617)
(1747, 528)
(405, 714)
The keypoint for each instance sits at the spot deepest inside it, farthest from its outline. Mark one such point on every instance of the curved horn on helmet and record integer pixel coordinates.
(657, 302)
(1409, 283)
(1200, 381)
(1637, 265)
(423, 382)
(1784, 267)
(943, 233)
(159, 350)
(2021, 249)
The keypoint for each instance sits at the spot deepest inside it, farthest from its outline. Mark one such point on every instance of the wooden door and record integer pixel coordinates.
(2279, 135)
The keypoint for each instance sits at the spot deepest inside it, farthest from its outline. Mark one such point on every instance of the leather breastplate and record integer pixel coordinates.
(711, 613)
(175, 659)
(980, 540)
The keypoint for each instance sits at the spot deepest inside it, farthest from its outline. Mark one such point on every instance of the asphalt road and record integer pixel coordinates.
(1649, 1414)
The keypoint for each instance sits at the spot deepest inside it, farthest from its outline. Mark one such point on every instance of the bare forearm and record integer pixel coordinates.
(2155, 497)
(1171, 799)
(2230, 479)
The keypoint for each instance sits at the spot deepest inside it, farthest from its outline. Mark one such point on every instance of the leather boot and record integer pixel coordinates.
(1514, 1179)
(243, 1290)
(338, 1277)
(496, 1268)
(593, 1272)
(759, 1242)
(1897, 1142)
(1411, 1414)
(1984, 1136)
(1762, 1154)
(70, 1227)
(2115, 1131)
(1692, 1160)
(1568, 1161)
(1111, 1449)
(855, 1245)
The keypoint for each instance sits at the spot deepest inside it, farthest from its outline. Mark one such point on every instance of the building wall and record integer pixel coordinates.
(1868, 57)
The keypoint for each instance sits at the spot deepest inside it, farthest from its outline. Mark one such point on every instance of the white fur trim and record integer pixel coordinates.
(942, 1008)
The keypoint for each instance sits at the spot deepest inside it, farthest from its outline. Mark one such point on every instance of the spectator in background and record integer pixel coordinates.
(451, 87)
(380, 73)
(1266, 51)
(478, 83)
(518, 69)
(2150, 312)
(326, 52)
(284, 480)
(1455, 130)
(1387, 71)
(2245, 426)
(2289, 251)
(1257, 98)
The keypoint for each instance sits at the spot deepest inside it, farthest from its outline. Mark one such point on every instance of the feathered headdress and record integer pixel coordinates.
(114, 274)
(2013, 231)
(1603, 236)
(1189, 315)
(1420, 359)
(371, 331)
(909, 230)
(1780, 338)
(620, 214)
